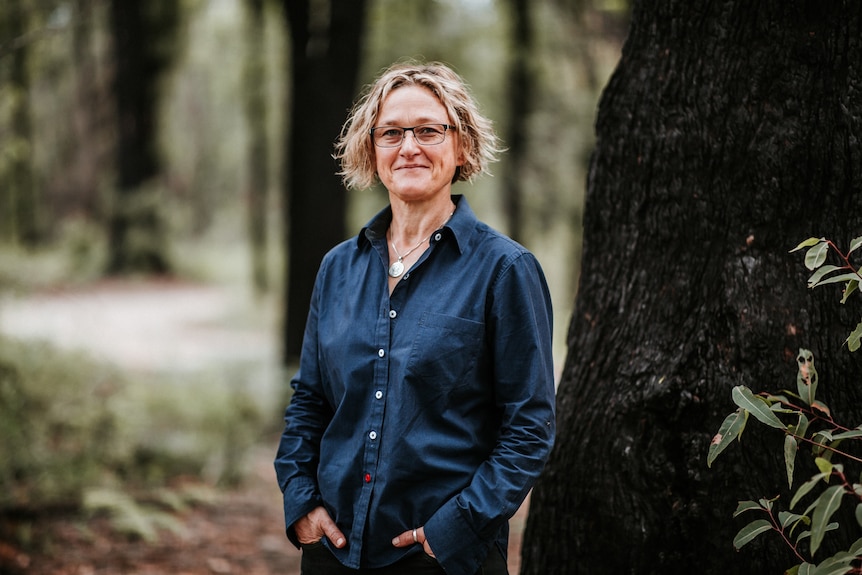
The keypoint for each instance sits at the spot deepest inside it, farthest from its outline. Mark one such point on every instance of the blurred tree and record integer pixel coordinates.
(326, 39)
(728, 133)
(86, 168)
(254, 93)
(144, 34)
(18, 218)
(520, 92)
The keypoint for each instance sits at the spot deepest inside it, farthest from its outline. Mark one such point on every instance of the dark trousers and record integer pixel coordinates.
(318, 560)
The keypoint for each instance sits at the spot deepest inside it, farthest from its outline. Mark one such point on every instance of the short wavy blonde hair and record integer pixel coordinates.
(355, 150)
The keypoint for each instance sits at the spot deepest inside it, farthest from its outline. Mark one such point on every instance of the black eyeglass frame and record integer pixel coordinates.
(404, 130)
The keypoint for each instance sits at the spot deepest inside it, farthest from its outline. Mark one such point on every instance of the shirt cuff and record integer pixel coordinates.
(457, 547)
(300, 497)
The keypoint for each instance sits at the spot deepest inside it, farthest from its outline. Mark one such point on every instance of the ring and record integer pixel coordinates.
(414, 537)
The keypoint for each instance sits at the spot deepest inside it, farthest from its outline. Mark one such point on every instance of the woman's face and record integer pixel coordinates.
(411, 171)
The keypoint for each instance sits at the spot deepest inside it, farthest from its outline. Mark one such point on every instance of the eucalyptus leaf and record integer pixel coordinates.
(822, 408)
(847, 434)
(805, 569)
(834, 279)
(744, 506)
(806, 376)
(822, 437)
(786, 518)
(805, 488)
(806, 534)
(731, 428)
(791, 446)
(851, 286)
(815, 278)
(827, 504)
(854, 245)
(807, 244)
(859, 514)
(750, 531)
(815, 256)
(802, 427)
(854, 338)
(838, 564)
(756, 406)
(856, 548)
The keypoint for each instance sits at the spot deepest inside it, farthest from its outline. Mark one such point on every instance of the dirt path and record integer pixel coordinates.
(163, 326)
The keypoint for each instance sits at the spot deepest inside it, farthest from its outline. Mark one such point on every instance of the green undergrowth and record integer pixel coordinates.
(83, 436)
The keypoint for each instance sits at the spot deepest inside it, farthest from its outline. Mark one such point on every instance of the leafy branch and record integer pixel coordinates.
(815, 260)
(809, 422)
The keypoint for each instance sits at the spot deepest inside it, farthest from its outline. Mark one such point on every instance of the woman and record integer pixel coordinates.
(423, 408)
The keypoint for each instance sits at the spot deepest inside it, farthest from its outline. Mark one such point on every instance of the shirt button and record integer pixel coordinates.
(393, 314)
(367, 478)
(378, 394)
(438, 236)
(372, 435)
(406, 276)
(381, 353)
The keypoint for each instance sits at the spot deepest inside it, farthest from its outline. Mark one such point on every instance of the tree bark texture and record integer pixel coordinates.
(143, 33)
(326, 45)
(729, 132)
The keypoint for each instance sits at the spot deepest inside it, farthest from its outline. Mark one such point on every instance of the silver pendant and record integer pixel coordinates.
(396, 269)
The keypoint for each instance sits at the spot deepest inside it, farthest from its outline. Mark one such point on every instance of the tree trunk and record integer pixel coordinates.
(143, 33)
(520, 103)
(258, 152)
(323, 78)
(729, 132)
(18, 217)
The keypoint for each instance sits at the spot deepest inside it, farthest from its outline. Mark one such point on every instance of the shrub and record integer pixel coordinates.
(805, 421)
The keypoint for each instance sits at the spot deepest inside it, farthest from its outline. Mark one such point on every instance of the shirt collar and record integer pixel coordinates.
(461, 225)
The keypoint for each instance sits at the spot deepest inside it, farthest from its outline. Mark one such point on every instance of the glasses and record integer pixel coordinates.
(426, 134)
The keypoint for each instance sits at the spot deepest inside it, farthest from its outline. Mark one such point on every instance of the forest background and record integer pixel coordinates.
(205, 201)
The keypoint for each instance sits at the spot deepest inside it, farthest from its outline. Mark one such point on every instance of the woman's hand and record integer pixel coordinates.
(413, 537)
(317, 525)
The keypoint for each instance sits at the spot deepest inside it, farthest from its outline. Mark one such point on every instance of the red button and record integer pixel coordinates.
(367, 478)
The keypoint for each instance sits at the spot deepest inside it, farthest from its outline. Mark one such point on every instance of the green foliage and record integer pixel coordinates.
(805, 421)
(72, 428)
(55, 422)
(815, 260)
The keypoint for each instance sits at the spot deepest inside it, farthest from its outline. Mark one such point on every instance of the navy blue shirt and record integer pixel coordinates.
(431, 407)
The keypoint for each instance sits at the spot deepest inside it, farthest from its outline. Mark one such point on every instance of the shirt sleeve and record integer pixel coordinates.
(306, 418)
(520, 320)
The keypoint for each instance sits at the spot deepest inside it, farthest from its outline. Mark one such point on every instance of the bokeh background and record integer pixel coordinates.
(145, 251)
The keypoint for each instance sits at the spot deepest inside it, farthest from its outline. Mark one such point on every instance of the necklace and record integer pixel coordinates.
(397, 267)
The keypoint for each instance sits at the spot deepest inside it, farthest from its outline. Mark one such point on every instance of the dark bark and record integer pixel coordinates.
(729, 132)
(323, 79)
(258, 150)
(143, 34)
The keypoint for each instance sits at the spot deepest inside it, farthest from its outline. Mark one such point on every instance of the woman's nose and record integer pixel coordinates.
(409, 143)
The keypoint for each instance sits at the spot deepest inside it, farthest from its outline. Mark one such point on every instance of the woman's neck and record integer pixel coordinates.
(413, 222)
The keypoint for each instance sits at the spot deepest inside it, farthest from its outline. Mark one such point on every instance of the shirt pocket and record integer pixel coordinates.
(444, 351)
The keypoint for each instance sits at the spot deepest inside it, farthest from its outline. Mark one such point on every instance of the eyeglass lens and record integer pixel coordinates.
(426, 134)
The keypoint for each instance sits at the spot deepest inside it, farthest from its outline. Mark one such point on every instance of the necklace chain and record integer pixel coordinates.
(397, 267)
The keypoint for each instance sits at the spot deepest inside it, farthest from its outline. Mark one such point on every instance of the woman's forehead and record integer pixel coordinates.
(414, 103)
